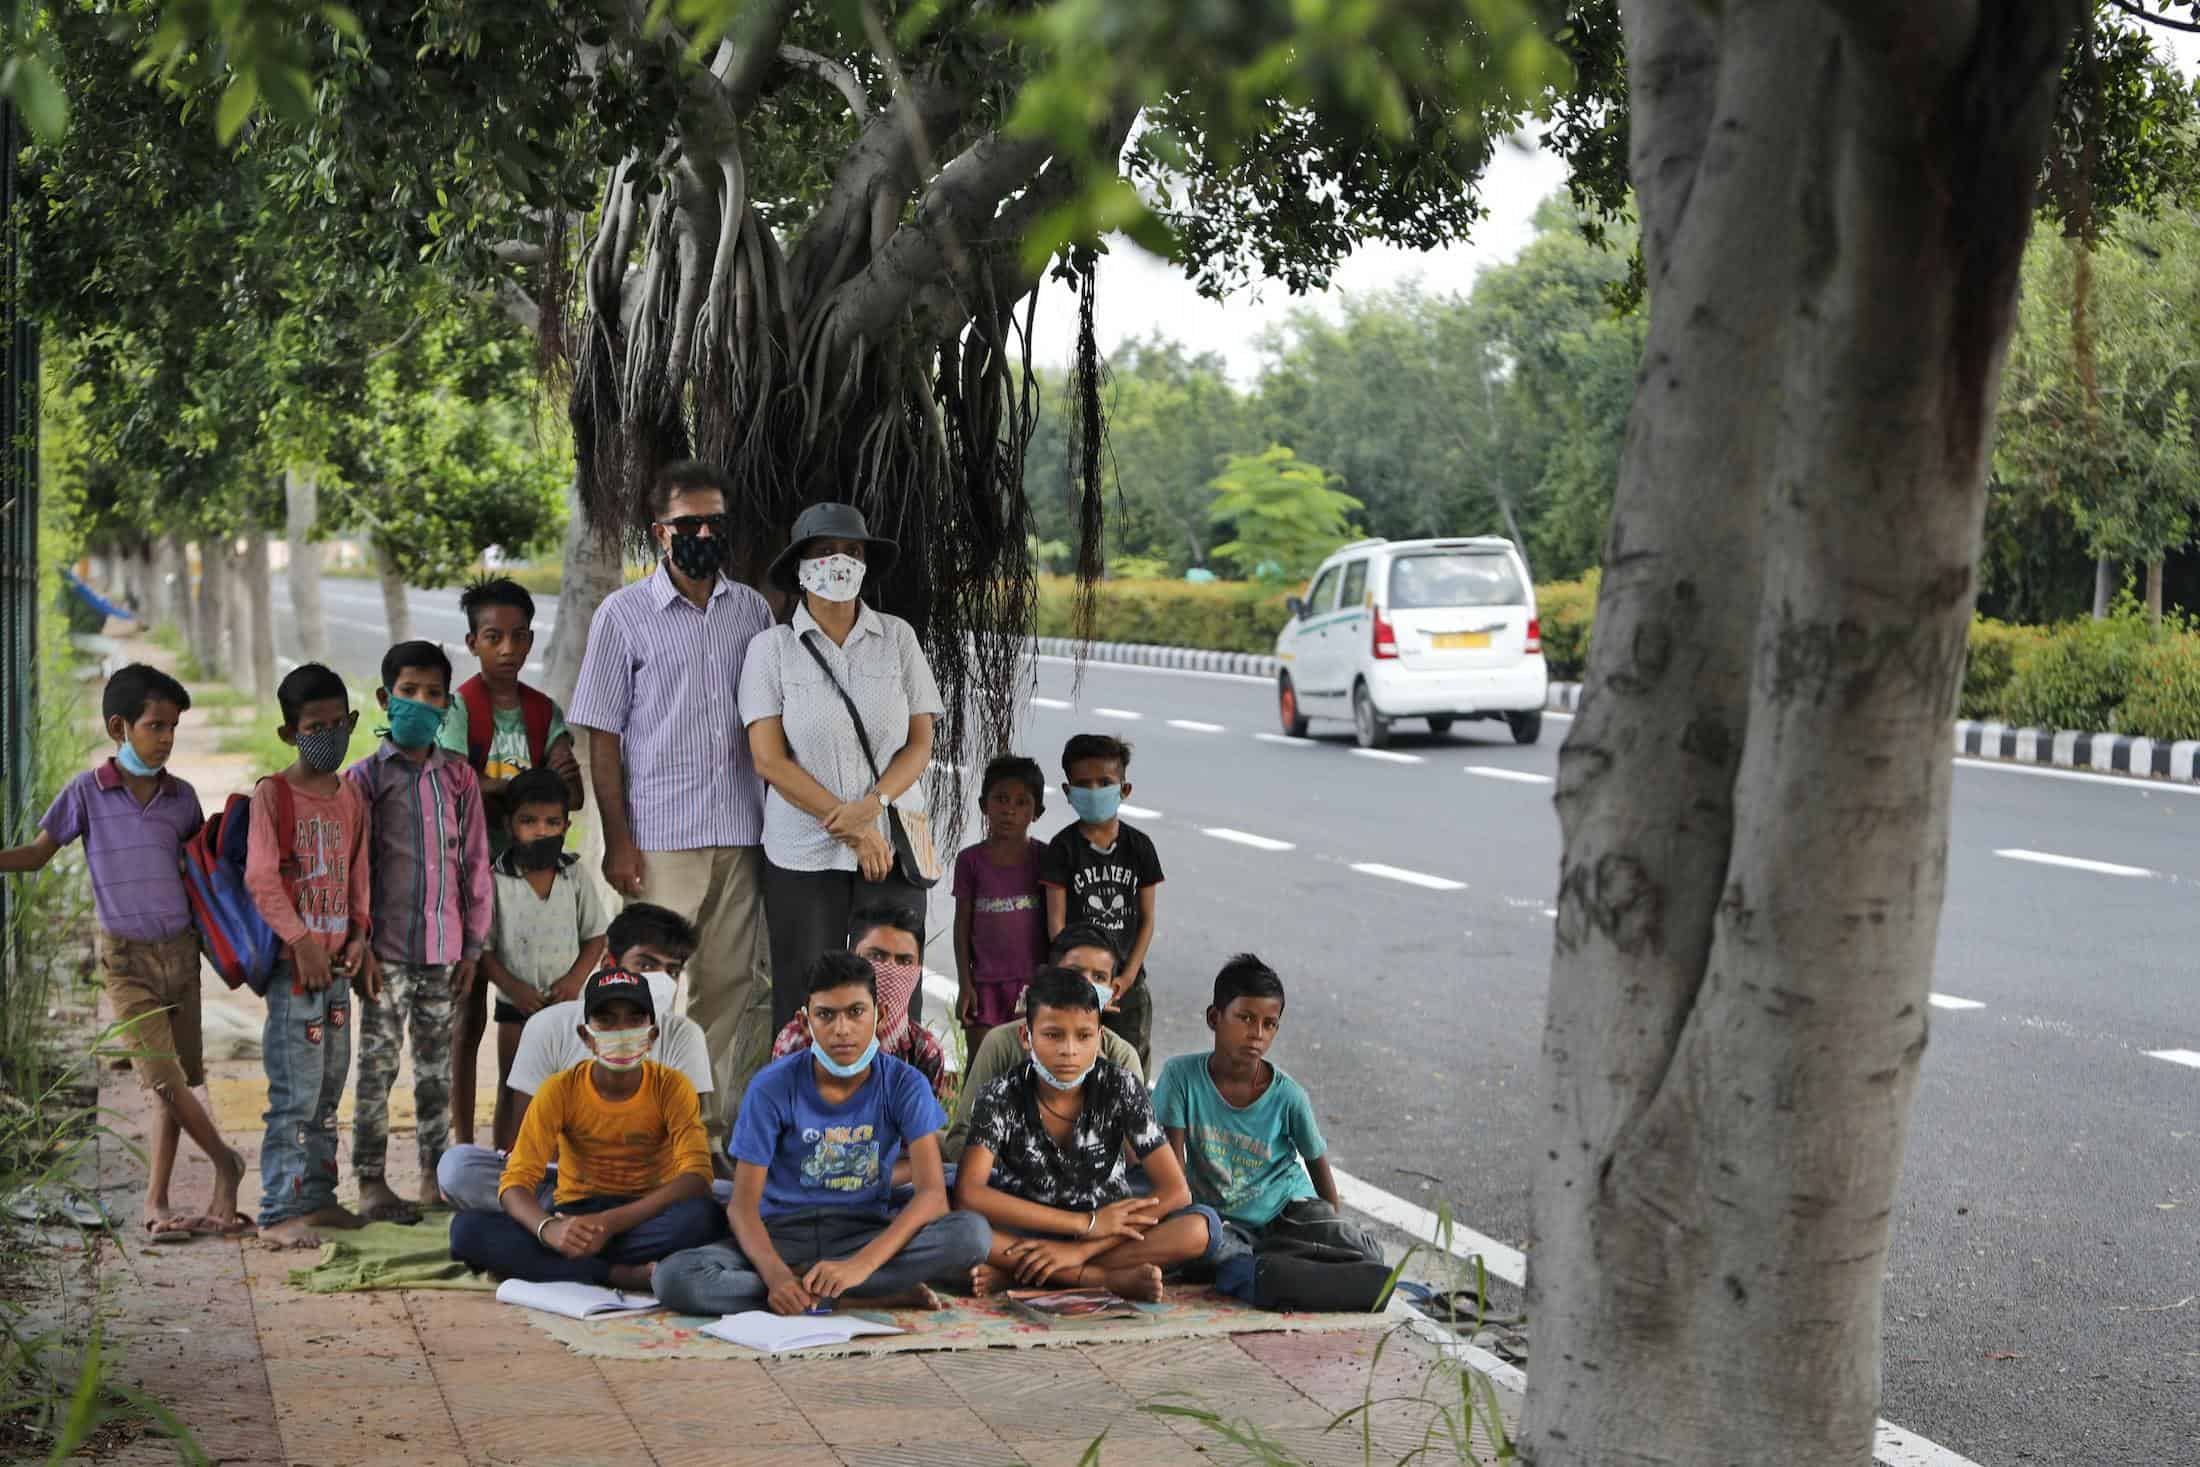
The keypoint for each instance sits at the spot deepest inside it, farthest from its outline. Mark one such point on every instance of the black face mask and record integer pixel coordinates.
(538, 855)
(696, 556)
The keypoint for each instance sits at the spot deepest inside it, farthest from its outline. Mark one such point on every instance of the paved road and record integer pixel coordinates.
(2050, 1208)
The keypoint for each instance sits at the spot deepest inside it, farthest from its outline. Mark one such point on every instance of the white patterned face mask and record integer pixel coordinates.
(831, 577)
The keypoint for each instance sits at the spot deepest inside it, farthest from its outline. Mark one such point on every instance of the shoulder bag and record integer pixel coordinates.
(916, 858)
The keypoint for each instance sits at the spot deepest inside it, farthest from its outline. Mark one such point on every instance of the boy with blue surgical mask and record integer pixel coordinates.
(433, 900)
(1045, 1163)
(633, 1160)
(1103, 870)
(814, 1151)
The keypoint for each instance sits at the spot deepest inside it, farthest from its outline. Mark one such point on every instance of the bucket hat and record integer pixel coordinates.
(831, 520)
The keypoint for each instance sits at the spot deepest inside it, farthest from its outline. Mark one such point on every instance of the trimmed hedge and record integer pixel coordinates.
(1567, 608)
(1217, 616)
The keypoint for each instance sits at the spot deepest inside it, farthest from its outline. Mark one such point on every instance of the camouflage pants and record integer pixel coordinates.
(418, 998)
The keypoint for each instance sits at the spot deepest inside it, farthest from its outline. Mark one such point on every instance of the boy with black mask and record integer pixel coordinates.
(547, 934)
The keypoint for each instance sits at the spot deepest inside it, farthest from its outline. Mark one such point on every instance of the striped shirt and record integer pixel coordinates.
(665, 676)
(432, 887)
(134, 851)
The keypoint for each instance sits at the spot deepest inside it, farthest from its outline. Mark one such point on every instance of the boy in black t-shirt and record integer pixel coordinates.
(1102, 869)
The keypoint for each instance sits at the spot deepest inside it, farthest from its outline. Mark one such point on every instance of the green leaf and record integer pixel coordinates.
(36, 94)
(343, 21)
(238, 100)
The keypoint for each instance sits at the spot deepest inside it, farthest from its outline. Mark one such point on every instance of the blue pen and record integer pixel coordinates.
(819, 1309)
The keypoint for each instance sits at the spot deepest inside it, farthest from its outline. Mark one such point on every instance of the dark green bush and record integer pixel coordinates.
(2164, 701)
(1220, 616)
(1568, 609)
(2079, 675)
(1998, 649)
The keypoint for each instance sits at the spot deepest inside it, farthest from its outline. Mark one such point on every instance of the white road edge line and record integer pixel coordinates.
(1286, 741)
(1245, 838)
(1390, 756)
(2042, 771)
(2074, 863)
(1123, 713)
(1220, 677)
(1140, 812)
(1894, 1447)
(2176, 1056)
(1518, 776)
(1050, 703)
(1410, 878)
(1193, 725)
(1950, 1001)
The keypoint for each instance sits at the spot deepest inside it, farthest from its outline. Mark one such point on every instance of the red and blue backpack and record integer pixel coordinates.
(235, 937)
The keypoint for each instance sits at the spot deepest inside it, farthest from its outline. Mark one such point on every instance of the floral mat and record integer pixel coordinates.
(1189, 1312)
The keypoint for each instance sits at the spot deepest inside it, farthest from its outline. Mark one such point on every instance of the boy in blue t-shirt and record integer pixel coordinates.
(1245, 1130)
(814, 1153)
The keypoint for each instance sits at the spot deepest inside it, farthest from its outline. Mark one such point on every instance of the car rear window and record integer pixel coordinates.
(1455, 578)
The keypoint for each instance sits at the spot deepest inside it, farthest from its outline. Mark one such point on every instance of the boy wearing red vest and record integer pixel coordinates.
(504, 728)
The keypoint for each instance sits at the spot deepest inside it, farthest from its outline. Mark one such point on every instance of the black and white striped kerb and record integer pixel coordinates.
(2103, 752)
(1137, 654)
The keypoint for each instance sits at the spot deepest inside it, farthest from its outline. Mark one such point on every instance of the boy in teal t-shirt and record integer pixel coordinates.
(503, 728)
(1245, 1130)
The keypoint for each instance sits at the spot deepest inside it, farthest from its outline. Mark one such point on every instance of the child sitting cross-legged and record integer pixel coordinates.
(1044, 1163)
(814, 1151)
(1245, 1132)
(633, 1161)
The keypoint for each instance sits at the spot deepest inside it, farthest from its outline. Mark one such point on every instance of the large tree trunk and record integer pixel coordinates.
(1754, 796)
(240, 617)
(259, 581)
(2104, 586)
(210, 627)
(594, 566)
(172, 603)
(2154, 591)
(301, 502)
(396, 609)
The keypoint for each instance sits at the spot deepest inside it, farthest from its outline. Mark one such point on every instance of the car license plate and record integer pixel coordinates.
(1458, 641)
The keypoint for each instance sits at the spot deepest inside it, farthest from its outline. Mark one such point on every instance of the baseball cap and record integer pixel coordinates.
(609, 985)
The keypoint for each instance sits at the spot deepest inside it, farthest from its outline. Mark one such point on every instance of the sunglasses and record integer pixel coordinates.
(695, 524)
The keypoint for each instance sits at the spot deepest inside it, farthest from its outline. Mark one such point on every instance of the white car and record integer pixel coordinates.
(1434, 629)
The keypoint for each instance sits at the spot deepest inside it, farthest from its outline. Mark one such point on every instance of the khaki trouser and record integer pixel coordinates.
(721, 891)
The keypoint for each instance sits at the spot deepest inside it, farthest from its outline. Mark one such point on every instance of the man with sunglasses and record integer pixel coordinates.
(681, 803)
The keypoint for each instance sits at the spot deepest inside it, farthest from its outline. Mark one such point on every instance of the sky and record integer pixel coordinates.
(1139, 294)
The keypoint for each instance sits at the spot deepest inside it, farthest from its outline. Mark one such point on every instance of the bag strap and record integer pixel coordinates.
(480, 721)
(535, 712)
(863, 740)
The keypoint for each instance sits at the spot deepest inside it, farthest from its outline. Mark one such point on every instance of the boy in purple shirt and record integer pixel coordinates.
(133, 817)
(433, 896)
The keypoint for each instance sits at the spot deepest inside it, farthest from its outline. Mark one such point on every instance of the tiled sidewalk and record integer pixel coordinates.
(262, 1374)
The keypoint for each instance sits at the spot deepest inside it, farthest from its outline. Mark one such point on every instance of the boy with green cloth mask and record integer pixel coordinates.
(432, 901)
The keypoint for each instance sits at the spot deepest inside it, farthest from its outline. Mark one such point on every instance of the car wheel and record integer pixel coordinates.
(1440, 726)
(1372, 729)
(1526, 727)
(1287, 709)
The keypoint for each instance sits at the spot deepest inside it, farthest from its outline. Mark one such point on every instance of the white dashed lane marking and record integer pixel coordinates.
(1193, 725)
(1388, 756)
(1242, 838)
(2177, 1056)
(1410, 878)
(1141, 812)
(1049, 703)
(1123, 713)
(1518, 776)
(2074, 863)
(1950, 1001)
(1287, 742)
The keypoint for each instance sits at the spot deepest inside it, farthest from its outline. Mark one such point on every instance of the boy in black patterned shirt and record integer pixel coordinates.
(1044, 1163)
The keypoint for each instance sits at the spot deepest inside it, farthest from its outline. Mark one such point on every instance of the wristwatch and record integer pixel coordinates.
(885, 801)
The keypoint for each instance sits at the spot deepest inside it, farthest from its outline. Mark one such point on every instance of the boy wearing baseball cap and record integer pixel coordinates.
(633, 1161)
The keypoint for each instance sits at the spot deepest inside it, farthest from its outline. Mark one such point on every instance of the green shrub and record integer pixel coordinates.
(1219, 616)
(2164, 701)
(1998, 649)
(1568, 610)
(2078, 675)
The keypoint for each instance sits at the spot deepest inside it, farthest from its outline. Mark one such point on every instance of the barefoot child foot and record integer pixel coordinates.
(378, 1203)
(1142, 1282)
(291, 1232)
(633, 1277)
(986, 1279)
(335, 1215)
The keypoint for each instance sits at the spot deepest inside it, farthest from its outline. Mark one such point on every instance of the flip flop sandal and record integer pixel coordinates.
(238, 1225)
(25, 1205)
(85, 1212)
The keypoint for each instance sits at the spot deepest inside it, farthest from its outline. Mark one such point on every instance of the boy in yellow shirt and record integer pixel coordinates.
(633, 1160)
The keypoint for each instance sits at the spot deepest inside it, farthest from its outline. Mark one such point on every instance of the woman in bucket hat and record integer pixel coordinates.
(840, 705)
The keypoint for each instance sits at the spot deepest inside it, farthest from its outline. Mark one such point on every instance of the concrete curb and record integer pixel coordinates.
(2102, 753)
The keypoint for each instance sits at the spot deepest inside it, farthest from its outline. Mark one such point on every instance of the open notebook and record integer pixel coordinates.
(574, 1301)
(775, 1334)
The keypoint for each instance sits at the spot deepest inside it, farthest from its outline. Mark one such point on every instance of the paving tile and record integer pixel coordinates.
(314, 1344)
(989, 1452)
(1042, 1394)
(555, 1439)
(883, 1426)
(1164, 1451)
(857, 1381)
(685, 1434)
(347, 1425)
(560, 1371)
(1208, 1374)
(482, 1395)
(484, 1340)
(347, 1372)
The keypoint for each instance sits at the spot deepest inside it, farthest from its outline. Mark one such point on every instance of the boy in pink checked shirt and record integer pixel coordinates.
(433, 895)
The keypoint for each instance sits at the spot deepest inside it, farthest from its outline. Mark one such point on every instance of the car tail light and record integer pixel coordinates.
(1386, 638)
(1535, 634)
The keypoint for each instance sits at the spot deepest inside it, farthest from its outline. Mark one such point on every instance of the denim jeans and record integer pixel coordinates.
(306, 1048)
(719, 1279)
(496, 1244)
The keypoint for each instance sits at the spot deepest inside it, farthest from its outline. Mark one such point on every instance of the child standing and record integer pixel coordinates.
(310, 884)
(1103, 870)
(547, 935)
(432, 896)
(133, 817)
(1000, 912)
(502, 727)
